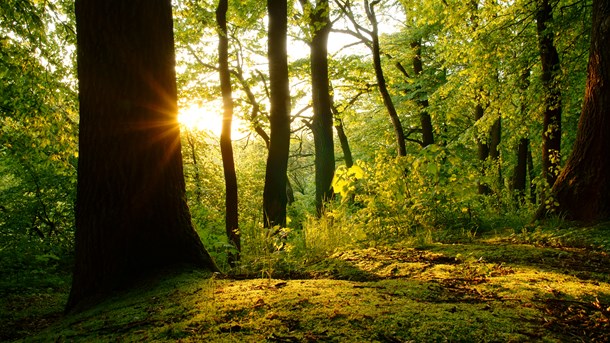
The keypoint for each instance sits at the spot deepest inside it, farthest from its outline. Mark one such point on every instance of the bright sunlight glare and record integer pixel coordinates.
(208, 117)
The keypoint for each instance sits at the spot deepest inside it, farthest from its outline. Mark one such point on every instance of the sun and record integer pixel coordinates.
(208, 117)
(198, 118)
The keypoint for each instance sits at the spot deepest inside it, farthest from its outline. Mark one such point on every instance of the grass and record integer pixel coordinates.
(533, 285)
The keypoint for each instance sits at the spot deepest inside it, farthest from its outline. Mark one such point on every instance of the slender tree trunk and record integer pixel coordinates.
(274, 195)
(495, 137)
(551, 131)
(482, 150)
(383, 89)
(226, 147)
(532, 175)
(347, 151)
(322, 121)
(519, 180)
(422, 101)
(255, 106)
(520, 172)
(132, 219)
(583, 187)
(340, 129)
(197, 174)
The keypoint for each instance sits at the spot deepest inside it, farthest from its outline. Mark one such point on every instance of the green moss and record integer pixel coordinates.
(487, 290)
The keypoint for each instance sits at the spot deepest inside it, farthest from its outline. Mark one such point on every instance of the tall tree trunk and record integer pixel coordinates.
(226, 147)
(583, 187)
(551, 130)
(381, 83)
(482, 150)
(322, 121)
(520, 172)
(132, 219)
(495, 137)
(422, 101)
(274, 195)
(519, 179)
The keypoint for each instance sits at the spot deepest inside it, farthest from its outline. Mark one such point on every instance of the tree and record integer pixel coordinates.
(132, 219)
(322, 121)
(582, 190)
(274, 194)
(422, 99)
(226, 147)
(373, 44)
(551, 129)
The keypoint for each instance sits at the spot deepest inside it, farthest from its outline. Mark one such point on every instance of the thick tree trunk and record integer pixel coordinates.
(226, 147)
(422, 101)
(322, 121)
(551, 131)
(274, 195)
(583, 187)
(381, 83)
(132, 219)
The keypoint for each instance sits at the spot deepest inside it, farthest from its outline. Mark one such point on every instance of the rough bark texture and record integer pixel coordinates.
(226, 147)
(424, 117)
(132, 219)
(551, 131)
(322, 121)
(381, 83)
(583, 187)
(274, 195)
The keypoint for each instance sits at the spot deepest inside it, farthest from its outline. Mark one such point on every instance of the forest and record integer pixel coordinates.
(305, 171)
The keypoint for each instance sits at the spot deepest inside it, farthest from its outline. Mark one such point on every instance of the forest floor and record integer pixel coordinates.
(499, 288)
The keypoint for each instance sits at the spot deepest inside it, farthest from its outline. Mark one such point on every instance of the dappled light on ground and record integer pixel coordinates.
(478, 291)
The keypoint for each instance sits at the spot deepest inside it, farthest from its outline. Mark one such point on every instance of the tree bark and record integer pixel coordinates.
(274, 195)
(551, 131)
(482, 150)
(583, 187)
(347, 151)
(381, 83)
(226, 147)
(132, 219)
(495, 138)
(424, 117)
(322, 121)
(519, 179)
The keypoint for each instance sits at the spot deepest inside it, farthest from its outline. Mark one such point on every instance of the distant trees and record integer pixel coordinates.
(132, 219)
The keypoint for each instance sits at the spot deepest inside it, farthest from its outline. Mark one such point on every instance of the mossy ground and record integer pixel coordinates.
(500, 288)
